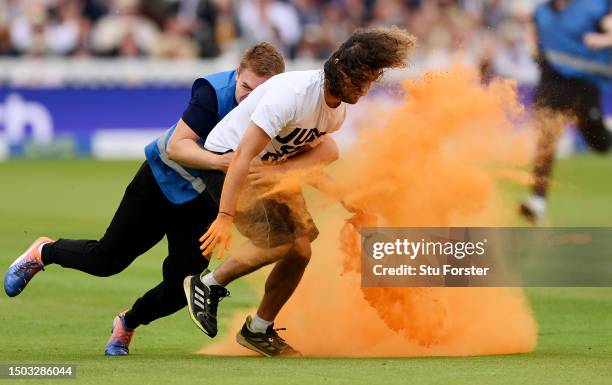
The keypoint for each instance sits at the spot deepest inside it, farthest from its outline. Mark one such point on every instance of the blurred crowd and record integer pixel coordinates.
(493, 34)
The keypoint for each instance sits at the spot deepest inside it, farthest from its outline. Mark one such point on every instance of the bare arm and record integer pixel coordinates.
(320, 156)
(598, 40)
(220, 231)
(183, 149)
(252, 143)
(601, 40)
(328, 186)
(323, 154)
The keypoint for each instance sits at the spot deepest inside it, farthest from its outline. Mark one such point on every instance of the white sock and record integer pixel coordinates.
(258, 324)
(209, 280)
(537, 204)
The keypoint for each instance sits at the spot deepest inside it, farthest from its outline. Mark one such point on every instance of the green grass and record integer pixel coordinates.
(64, 316)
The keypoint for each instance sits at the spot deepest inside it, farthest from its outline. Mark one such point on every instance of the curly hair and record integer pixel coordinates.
(364, 55)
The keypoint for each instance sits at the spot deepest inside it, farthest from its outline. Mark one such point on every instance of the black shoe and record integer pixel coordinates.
(202, 302)
(269, 344)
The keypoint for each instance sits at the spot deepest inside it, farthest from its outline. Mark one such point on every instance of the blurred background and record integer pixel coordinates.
(103, 77)
(85, 80)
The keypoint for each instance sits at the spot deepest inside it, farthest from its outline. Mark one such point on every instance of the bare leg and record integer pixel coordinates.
(284, 279)
(550, 126)
(247, 259)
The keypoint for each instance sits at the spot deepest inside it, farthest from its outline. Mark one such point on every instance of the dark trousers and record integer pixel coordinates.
(570, 96)
(144, 216)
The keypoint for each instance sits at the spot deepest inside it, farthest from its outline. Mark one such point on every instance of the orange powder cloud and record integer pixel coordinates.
(436, 160)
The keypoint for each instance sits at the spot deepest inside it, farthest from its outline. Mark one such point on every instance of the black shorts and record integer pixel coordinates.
(270, 221)
(576, 97)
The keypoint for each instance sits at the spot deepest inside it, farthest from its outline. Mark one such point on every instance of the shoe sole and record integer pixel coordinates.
(189, 295)
(106, 354)
(243, 341)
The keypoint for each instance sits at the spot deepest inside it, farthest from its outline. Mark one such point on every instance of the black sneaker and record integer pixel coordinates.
(270, 344)
(202, 302)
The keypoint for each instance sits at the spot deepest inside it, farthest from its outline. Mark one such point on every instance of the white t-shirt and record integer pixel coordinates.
(290, 107)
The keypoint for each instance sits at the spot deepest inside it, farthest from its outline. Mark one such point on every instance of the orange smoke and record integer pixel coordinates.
(435, 161)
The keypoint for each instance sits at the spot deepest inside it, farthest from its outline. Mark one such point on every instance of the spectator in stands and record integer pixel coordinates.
(270, 20)
(491, 34)
(124, 31)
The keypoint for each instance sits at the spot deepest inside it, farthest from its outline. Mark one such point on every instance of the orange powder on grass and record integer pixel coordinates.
(436, 162)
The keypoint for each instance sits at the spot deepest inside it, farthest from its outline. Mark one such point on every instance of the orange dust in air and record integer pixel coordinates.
(435, 160)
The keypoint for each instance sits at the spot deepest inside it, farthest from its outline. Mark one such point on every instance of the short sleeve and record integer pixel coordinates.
(201, 113)
(275, 110)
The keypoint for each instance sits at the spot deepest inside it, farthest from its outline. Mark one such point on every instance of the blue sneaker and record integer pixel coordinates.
(119, 342)
(24, 268)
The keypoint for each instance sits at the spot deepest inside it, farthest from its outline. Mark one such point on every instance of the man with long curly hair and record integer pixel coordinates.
(289, 115)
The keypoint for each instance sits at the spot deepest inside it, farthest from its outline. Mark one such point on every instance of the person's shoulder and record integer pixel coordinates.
(221, 77)
(296, 78)
(298, 82)
(201, 83)
(204, 92)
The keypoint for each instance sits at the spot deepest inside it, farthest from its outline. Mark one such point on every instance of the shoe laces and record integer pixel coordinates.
(121, 334)
(279, 343)
(29, 267)
(216, 295)
(272, 333)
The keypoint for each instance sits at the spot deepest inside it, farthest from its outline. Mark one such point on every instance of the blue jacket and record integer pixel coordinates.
(178, 183)
(560, 40)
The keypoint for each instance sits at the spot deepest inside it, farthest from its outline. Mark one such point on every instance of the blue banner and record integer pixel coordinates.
(68, 120)
(114, 122)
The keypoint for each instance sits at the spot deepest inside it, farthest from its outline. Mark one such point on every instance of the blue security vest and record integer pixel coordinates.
(560, 40)
(181, 184)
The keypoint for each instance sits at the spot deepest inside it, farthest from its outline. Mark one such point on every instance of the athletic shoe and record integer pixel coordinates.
(270, 344)
(202, 302)
(119, 342)
(24, 268)
(534, 209)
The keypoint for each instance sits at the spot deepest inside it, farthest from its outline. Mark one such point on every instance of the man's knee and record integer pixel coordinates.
(106, 263)
(177, 264)
(301, 250)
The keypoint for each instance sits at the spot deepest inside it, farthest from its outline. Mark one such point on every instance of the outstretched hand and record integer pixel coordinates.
(219, 232)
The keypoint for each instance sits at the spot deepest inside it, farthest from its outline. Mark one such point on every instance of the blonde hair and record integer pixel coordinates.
(263, 59)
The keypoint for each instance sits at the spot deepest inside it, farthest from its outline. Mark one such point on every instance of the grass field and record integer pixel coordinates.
(64, 317)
